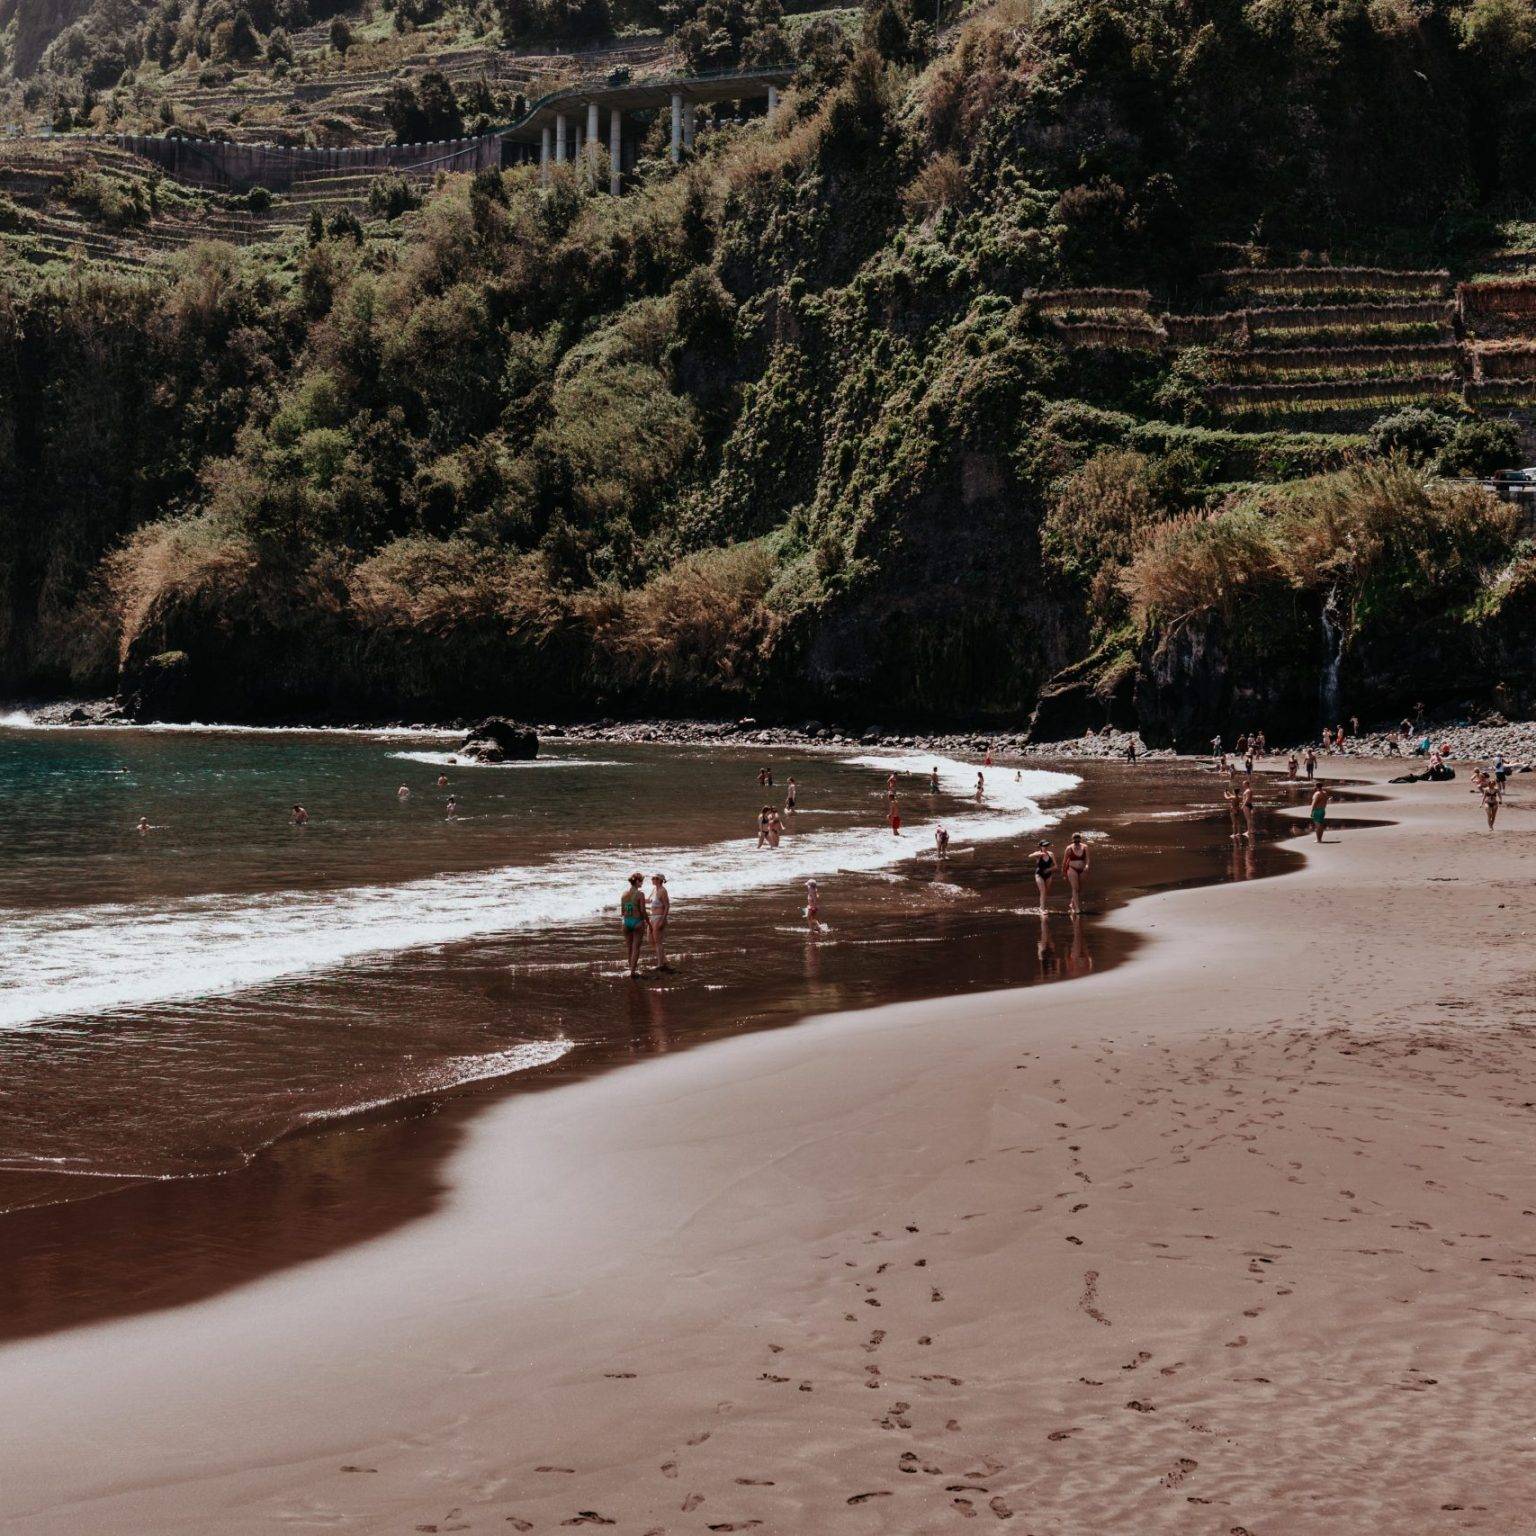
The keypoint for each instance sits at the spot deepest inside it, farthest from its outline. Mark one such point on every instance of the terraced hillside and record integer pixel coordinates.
(73, 200)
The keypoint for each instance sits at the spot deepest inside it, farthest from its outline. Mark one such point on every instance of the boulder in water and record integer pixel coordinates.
(499, 741)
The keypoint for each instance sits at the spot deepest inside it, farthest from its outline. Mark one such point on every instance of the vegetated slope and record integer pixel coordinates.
(974, 378)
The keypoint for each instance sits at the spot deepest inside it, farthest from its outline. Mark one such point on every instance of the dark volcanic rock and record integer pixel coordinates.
(498, 741)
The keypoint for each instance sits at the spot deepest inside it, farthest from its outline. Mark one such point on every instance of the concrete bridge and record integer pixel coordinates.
(562, 127)
(565, 125)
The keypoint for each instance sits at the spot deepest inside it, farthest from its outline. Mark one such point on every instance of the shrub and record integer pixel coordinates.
(1479, 447)
(1415, 432)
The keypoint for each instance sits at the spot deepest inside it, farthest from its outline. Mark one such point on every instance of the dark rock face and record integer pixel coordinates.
(499, 741)
(163, 689)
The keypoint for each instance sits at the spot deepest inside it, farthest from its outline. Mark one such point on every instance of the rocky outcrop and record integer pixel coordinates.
(500, 741)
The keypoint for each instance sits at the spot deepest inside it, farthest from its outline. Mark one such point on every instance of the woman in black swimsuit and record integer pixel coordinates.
(1045, 870)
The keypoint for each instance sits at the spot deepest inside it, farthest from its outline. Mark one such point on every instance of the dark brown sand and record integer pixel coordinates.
(1235, 1238)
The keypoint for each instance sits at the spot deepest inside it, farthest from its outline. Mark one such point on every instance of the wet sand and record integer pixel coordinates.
(90, 1248)
(1236, 1237)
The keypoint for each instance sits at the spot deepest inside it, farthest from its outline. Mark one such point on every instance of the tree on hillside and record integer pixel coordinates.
(341, 35)
(424, 111)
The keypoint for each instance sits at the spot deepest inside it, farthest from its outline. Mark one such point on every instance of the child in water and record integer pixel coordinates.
(812, 904)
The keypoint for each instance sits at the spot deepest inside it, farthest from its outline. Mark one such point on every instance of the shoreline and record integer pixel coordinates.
(893, 1269)
(152, 1243)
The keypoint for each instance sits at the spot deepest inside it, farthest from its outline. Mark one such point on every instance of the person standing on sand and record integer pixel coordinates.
(1320, 798)
(1291, 765)
(1490, 800)
(1045, 871)
(933, 782)
(791, 790)
(1130, 749)
(762, 825)
(987, 760)
(632, 910)
(661, 906)
(1245, 801)
(1216, 751)
(1309, 761)
(1075, 862)
(894, 817)
(981, 787)
(300, 816)
(941, 840)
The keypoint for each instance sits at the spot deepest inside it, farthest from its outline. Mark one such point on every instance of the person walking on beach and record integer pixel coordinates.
(791, 790)
(981, 787)
(762, 825)
(632, 911)
(1045, 871)
(893, 815)
(1245, 803)
(1216, 751)
(1320, 799)
(1291, 765)
(933, 782)
(941, 840)
(812, 905)
(1309, 762)
(300, 816)
(1075, 862)
(1130, 749)
(661, 906)
(1491, 798)
(1234, 810)
(987, 760)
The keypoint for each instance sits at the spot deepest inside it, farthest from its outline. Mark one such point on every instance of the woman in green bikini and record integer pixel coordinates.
(632, 907)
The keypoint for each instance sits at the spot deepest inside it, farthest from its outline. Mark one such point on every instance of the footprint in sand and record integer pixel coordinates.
(1064, 1434)
(1181, 1470)
(864, 1498)
(754, 1482)
(966, 1508)
(619, 1375)
(700, 1438)
(952, 1424)
(937, 1295)
(926, 1339)
(359, 1469)
(519, 1524)
(589, 1517)
(1000, 1509)
(875, 1341)
(737, 1525)
(555, 1469)
(691, 1502)
(669, 1469)
(1140, 1407)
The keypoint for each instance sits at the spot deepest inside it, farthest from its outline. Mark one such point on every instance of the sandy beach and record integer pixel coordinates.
(1236, 1238)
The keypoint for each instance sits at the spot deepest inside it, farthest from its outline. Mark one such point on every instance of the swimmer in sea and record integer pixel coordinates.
(632, 910)
(453, 806)
(403, 793)
(1045, 871)
(442, 781)
(300, 816)
(143, 825)
(1075, 862)
(941, 840)
(1319, 810)
(775, 829)
(661, 906)
(762, 825)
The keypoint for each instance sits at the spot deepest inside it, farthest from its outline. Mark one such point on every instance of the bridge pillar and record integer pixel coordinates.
(615, 151)
(560, 139)
(690, 118)
(677, 126)
(773, 100)
(544, 157)
(594, 134)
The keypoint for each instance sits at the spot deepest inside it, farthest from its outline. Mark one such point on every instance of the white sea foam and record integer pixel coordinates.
(84, 960)
(24, 720)
(454, 760)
